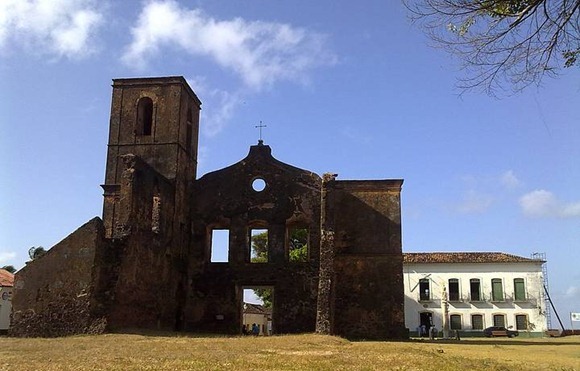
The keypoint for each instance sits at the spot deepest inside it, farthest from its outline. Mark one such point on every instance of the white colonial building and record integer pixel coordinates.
(472, 291)
(6, 284)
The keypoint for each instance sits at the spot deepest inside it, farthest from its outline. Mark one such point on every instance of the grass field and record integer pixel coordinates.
(296, 352)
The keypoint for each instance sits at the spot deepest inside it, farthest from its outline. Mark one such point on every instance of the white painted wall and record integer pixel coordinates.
(259, 319)
(439, 275)
(5, 307)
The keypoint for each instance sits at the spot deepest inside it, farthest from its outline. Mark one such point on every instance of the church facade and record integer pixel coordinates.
(149, 262)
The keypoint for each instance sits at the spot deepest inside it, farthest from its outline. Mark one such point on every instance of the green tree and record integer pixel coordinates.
(298, 252)
(260, 247)
(9, 268)
(36, 252)
(260, 255)
(503, 43)
(298, 249)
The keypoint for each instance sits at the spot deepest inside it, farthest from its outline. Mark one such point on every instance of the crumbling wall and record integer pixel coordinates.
(140, 277)
(225, 199)
(53, 293)
(367, 286)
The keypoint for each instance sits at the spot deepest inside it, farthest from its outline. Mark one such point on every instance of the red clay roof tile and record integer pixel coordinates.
(6, 278)
(464, 257)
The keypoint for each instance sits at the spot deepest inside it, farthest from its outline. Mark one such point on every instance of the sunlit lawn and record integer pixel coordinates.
(296, 352)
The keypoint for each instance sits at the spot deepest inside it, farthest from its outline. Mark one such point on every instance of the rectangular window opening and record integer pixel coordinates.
(475, 289)
(519, 289)
(497, 289)
(298, 245)
(424, 290)
(499, 320)
(188, 136)
(521, 322)
(477, 322)
(259, 246)
(156, 214)
(455, 321)
(220, 245)
(454, 289)
(257, 305)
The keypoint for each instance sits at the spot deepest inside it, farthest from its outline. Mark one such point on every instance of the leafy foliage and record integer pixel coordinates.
(9, 268)
(265, 294)
(36, 252)
(503, 42)
(298, 252)
(260, 247)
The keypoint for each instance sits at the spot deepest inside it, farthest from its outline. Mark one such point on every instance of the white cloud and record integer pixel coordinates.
(60, 27)
(219, 106)
(542, 203)
(509, 180)
(6, 257)
(261, 53)
(475, 202)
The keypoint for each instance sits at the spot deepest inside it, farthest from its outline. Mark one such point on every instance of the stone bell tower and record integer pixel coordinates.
(157, 120)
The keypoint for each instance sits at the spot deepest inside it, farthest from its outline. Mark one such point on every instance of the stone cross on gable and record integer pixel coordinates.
(259, 127)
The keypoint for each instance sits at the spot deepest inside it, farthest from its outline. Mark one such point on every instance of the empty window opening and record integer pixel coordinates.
(156, 214)
(259, 245)
(477, 322)
(298, 245)
(499, 320)
(519, 289)
(257, 305)
(475, 289)
(521, 322)
(189, 131)
(454, 289)
(220, 245)
(455, 321)
(497, 290)
(258, 184)
(144, 116)
(424, 290)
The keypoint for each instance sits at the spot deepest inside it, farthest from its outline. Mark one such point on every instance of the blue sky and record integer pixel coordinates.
(346, 87)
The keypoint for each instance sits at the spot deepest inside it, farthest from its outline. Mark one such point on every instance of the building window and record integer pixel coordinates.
(455, 321)
(298, 245)
(156, 214)
(424, 290)
(497, 290)
(220, 246)
(475, 289)
(521, 322)
(499, 320)
(258, 184)
(189, 131)
(454, 289)
(477, 322)
(259, 245)
(144, 116)
(519, 289)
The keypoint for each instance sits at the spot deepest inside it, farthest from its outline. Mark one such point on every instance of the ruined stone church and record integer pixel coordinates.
(148, 262)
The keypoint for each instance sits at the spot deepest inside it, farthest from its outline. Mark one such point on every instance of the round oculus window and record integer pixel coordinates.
(258, 184)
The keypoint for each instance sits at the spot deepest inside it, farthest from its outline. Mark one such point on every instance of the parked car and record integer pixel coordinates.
(499, 331)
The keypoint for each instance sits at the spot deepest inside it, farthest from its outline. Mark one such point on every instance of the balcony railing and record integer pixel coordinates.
(476, 297)
(525, 298)
(497, 297)
(455, 297)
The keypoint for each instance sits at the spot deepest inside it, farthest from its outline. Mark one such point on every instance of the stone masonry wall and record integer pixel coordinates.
(52, 294)
(367, 284)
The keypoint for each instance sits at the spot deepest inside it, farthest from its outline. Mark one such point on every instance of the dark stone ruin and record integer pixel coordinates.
(147, 264)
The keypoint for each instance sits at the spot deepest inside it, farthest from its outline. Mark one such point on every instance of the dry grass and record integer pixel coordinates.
(298, 352)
